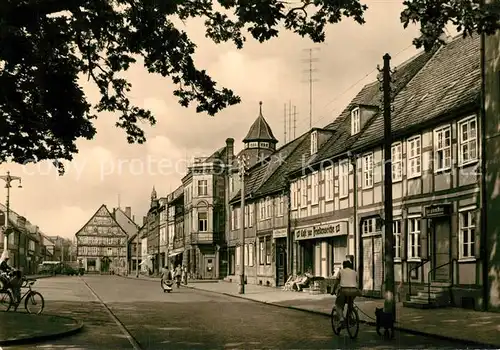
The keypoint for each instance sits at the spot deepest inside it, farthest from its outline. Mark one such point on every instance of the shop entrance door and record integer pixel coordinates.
(280, 263)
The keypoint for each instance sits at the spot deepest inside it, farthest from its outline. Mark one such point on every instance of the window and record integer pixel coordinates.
(253, 145)
(467, 133)
(269, 208)
(305, 191)
(355, 121)
(268, 250)
(369, 226)
(396, 230)
(467, 234)
(31, 245)
(329, 184)
(262, 206)
(202, 187)
(414, 238)
(299, 188)
(343, 178)
(293, 192)
(442, 148)
(414, 157)
(262, 251)
(246, 216)
(281, 205)
(245, 256)
(231, 184)
(250, 254)
(251, 216)
(368, 170)
(315, 188)
(397, 162)
(264, 144)
(314, 142)
(237, 256)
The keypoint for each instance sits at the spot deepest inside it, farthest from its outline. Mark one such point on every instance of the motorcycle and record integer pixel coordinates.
(167, 285)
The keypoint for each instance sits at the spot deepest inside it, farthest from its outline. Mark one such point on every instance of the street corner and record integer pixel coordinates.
(23, 328)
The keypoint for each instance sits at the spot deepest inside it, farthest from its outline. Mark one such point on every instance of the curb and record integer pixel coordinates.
(44, 337)
(371, 323)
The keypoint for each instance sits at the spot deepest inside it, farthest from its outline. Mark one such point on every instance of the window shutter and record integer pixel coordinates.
(477, 234)
(404, 239)
(424, 254)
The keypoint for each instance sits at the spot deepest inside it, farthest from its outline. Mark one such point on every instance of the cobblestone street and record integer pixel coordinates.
(143, 317)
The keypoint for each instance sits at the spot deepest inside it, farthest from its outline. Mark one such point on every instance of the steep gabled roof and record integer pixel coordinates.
(126, 223)
(369, 95)
(260, 173)
(260, 130)
(449, 82)
(101, 209)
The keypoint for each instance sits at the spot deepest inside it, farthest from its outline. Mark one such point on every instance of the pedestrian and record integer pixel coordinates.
(178, 275)
(184, 276)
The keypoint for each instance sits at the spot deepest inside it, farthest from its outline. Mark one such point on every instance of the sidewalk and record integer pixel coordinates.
(23, 328)
(469, 327)
(157, 279)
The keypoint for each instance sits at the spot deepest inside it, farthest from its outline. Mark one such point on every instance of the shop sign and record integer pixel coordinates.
(435, 211)
(325, 230)
(304, 233)
(330, 230)
(280, 233)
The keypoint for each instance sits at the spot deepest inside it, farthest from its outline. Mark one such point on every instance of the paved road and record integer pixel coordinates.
(140, 314)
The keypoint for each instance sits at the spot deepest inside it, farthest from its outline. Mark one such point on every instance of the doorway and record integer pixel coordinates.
(440, 241)
(281, 262)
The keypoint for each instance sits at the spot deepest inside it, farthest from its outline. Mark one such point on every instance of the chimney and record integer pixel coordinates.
(133, 218)
(128, 211)
(229, 151)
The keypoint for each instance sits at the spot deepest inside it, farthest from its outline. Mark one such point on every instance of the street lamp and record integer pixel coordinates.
(8, 179)
(243, 166)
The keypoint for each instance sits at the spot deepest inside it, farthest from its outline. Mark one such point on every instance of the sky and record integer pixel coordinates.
(108, 170)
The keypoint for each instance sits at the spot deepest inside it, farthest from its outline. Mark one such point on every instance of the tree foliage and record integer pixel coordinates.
(48, 44)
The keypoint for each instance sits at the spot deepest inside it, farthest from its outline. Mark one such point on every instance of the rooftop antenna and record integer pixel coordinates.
(311, 70)
(290, 119)
(284, 117)
(294, 120)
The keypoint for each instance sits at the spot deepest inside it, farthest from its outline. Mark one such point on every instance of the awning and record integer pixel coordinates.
(176, 252)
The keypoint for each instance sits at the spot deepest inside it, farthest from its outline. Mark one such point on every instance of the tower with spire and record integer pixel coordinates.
(154, 197)
(260, 141)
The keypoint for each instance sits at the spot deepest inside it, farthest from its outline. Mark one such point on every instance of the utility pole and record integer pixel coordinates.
(8, 180)
(137, 253)
(390, 302)
(294, 120)
(310, 71)
(243, 164)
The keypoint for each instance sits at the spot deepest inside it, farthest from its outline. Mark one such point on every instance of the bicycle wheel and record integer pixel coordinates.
(352, 321)
(34, 303)
(335, 323)
(5, 300)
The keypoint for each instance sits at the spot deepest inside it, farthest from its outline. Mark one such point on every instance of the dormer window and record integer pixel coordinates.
(314, 142)
(264, 145)
(355, 121)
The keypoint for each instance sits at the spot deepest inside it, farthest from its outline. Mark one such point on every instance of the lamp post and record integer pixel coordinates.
(243, 165)
(8, 179)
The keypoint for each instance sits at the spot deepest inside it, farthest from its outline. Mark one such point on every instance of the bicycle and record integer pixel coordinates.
(350, 320)
(31, 298)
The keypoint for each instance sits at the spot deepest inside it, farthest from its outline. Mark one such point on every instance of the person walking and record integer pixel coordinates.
(178, 275)
(166, 279)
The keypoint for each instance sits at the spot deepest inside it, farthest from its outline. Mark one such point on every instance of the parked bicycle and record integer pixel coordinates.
(350, 321)
(33, 300)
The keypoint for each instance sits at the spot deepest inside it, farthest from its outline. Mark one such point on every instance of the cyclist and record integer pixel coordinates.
(13, 276)
(346, 280)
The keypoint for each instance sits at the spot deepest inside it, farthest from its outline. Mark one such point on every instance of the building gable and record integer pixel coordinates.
(102, 223)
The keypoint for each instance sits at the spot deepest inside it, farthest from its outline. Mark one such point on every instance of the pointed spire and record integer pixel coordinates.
(153, 194)
(260, 130)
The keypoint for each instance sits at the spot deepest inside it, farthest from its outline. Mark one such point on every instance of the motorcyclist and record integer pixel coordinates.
(12, 276)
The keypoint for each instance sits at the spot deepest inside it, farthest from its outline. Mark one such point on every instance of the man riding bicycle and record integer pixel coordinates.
(346, 280)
